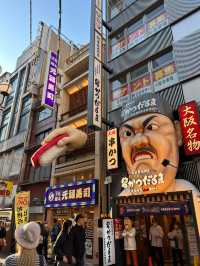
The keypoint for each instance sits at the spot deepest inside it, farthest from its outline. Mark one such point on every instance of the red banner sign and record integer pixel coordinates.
(189, 120)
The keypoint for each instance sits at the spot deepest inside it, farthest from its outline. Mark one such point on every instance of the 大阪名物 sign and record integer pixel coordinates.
(49, 90)
(108, 242)
(74, 194)
(189, 120)
(22, 201)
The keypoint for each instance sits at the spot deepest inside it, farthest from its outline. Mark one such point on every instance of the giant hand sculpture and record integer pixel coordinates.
(57, 143)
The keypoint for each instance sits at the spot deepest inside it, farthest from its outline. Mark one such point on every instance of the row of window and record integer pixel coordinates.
(137, 32)
(116, 6)
(159, 73)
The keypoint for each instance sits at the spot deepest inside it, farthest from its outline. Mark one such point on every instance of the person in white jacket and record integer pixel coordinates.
(156, 235)
(129, 234)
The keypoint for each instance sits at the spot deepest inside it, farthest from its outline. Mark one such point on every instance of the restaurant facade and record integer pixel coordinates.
(153, 100)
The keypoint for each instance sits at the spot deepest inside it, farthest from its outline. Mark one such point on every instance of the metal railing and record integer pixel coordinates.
(73, 112)
(78, 55)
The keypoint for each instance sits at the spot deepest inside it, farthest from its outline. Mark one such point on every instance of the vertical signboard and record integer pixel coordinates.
(95, 66)
(190, 127)
(49, 90)
(22, 201)
(112, 149)
(108, 242)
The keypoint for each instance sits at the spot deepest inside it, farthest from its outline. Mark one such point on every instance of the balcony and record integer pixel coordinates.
(88, 148)
(73, 111)
(78, 55)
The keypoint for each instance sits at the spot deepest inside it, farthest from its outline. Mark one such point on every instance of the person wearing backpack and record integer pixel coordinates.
(63, 247)
(55, 230)
(27, 237)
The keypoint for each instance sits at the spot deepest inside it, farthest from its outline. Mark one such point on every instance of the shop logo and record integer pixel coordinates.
(51, 196)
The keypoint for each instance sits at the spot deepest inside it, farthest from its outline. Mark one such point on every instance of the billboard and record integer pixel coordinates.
(49, 90)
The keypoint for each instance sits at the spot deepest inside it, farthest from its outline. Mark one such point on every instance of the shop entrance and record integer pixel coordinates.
(166, 209)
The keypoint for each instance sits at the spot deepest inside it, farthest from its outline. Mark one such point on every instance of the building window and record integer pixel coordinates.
(26, 86)
(138, 31)
(41, 136)
(156, 74)
(164, 72)
(78, 101)
(44, 114)
(4, 125)
(13, 85)
(25, 113)
(116, 6)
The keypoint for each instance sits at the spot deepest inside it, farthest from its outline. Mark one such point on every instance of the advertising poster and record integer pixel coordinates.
(108, 242)
(22, 201)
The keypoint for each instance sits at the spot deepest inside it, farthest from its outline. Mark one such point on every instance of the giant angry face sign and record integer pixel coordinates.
(146, 141)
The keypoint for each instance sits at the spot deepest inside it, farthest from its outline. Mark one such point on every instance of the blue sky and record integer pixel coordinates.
(14, 24)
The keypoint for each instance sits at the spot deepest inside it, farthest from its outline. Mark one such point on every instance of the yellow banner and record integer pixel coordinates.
(22, 201)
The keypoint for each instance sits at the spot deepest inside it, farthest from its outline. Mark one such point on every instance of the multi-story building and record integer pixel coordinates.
(154, 45)
(25, 121)
(75, 171)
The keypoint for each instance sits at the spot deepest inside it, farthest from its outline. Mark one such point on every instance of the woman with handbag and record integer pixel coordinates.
(63, 247)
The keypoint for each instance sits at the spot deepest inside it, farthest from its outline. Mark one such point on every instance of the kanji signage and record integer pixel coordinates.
(82, 193)
(22, 201)
(95, 66)
(190, 127)
(6, 188)
(108, 242)
(112, 149)
(49, 91)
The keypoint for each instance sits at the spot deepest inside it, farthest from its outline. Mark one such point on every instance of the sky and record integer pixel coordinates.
(14, 24)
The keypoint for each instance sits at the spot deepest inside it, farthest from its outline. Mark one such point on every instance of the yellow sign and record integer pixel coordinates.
(22, 201)
(112, 149)
(6, 188)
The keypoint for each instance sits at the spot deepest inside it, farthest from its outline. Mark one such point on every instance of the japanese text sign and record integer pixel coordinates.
(189, 120)
(49, 91)
(108, 242)
(22, 201)
(6, 188)
(95, 66)
(112, 149)
(74, 194)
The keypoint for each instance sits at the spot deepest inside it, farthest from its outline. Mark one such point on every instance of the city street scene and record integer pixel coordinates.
(100, 133)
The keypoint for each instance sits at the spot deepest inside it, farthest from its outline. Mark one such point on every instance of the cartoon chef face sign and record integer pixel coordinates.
(146, 141)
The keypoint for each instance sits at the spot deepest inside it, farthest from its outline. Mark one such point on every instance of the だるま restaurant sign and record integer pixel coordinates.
(82, 193)
(189, 120)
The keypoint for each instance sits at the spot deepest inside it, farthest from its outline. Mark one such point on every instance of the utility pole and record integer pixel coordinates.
(30, 9)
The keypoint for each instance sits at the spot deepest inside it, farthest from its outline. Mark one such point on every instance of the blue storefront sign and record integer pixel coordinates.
(82, 193)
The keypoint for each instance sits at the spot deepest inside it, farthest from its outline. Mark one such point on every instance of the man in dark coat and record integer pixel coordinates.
(78, 236)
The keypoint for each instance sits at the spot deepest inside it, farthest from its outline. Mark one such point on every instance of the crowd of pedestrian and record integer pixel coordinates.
(32, 241)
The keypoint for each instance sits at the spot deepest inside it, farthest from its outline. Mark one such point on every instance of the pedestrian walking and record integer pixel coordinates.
(176, 243)
(2, 236)
(55, 230)
(40, 247)
(156, 235)
(78, 238)
(46, 240)
(63, 247)
(27, 237)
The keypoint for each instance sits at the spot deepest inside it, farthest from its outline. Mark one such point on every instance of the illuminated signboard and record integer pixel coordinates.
(190, 127)
(49, 91)
(74, 194)
(95, 66)
(112, 149)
